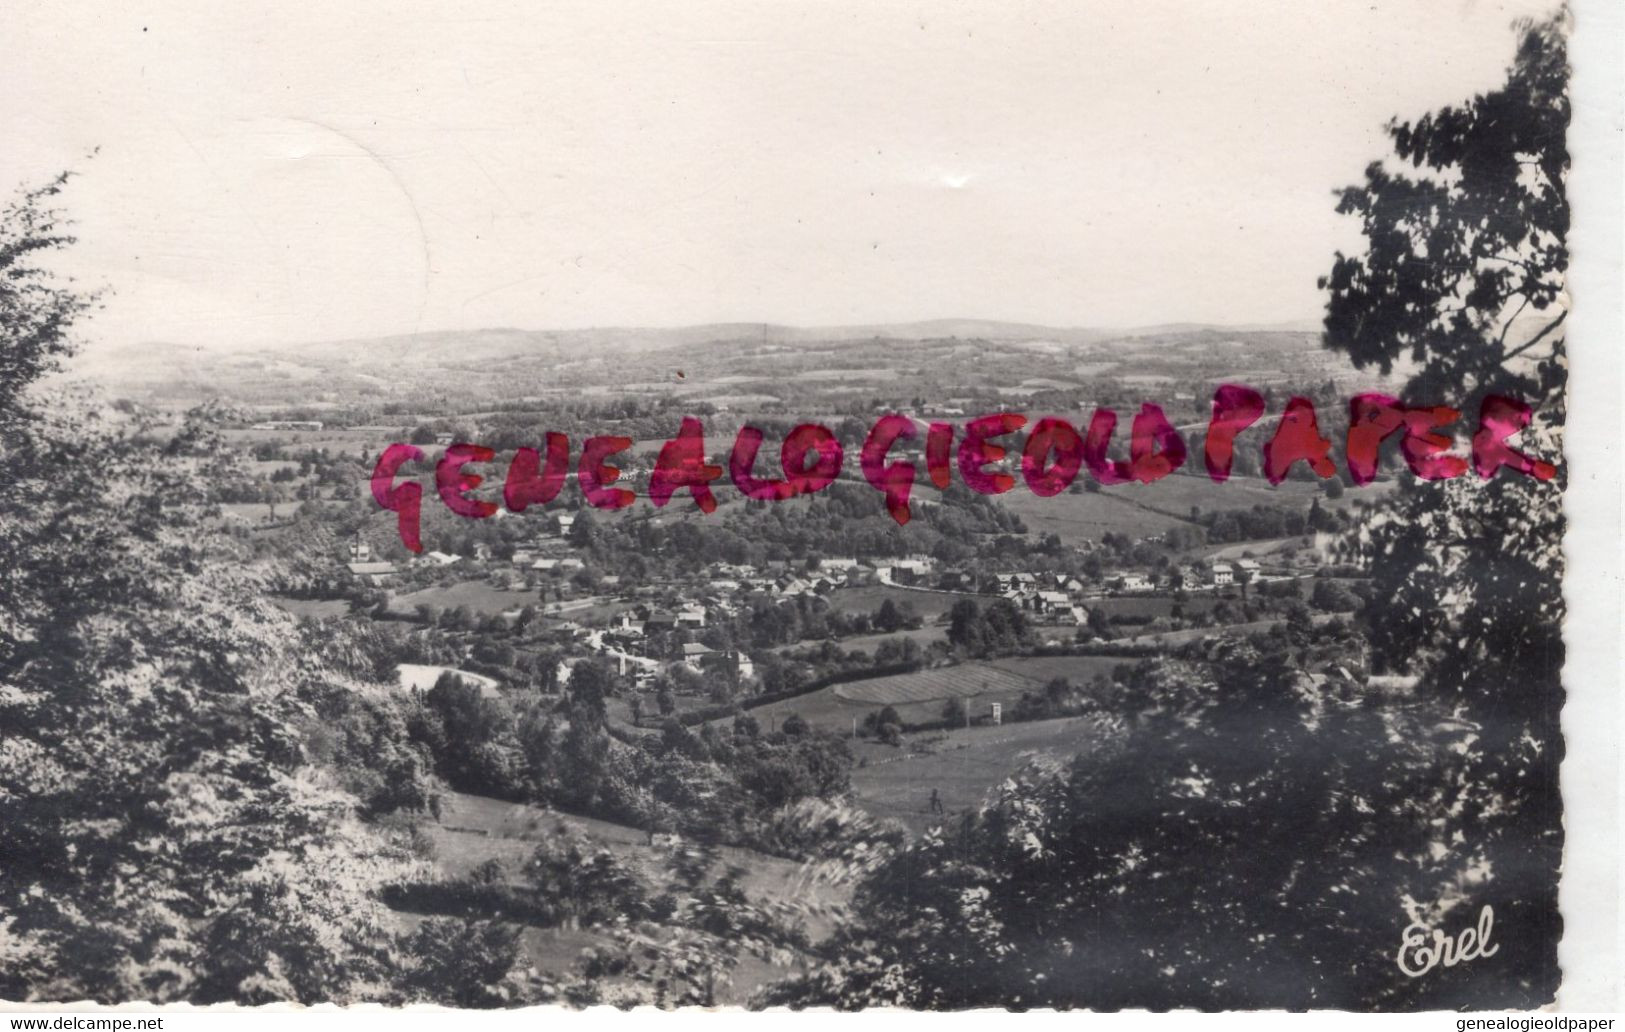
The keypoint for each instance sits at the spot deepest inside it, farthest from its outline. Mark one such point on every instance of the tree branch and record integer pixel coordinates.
(1499, 344)
(1536, 339)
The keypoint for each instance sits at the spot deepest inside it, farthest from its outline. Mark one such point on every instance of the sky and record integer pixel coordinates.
(282, 172)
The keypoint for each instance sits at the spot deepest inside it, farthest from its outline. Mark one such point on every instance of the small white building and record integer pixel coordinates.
(1052, 602)
(374, 570)
(691, 616)
(695, 655)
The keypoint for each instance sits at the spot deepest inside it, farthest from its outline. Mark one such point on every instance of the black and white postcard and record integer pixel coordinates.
(813, 505)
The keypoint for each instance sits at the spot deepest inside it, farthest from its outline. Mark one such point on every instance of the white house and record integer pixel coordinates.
(1185, 578)
(691, 616)
(909, 571)
(1052, 602)
(694, 654)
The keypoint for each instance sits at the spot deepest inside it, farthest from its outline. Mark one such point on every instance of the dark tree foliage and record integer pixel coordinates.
(164, 836)
(1476, 237)
(1250, 845)
(1464, 278)
(37, 309)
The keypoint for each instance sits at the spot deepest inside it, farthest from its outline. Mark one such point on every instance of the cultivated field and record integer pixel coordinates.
(1079, 670)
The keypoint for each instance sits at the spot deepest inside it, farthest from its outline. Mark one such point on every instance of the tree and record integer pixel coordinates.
(590, 685)
(1330, 596)
(1463, 276)
(463, 963)
(164, 837)
(965, 625)
(583, 531)
(37, 309)
(1475, 240)
(1086, 884)
(888, 617)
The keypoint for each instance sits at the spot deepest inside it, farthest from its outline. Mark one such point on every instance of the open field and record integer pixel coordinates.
(965, 681)
(1080, 670)
(1154, 605)
(868, 642)
(1177, 493)
(589, 612)
(1201, 633)
(824, 709)
(961, 765)
(928, 604)
(1087, 517)
(917, 697)
(336, 441)
(478, 595)
(1141, 510)
(260, 512)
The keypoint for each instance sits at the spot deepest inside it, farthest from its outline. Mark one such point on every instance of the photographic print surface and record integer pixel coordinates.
(1051, 506)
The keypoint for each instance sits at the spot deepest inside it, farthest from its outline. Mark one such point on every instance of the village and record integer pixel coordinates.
(689, 634)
